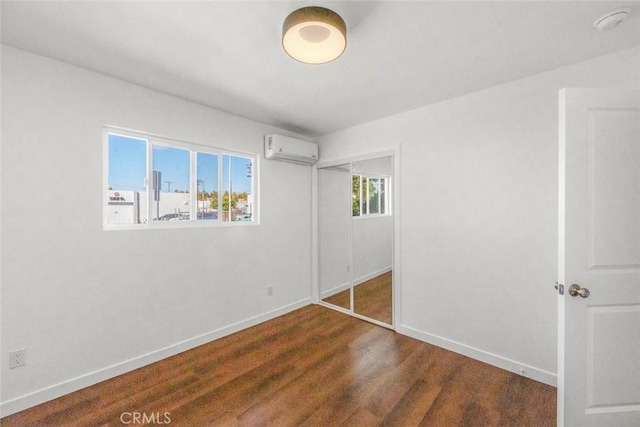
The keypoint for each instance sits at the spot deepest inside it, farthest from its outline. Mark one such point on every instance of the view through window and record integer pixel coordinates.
(153, 180)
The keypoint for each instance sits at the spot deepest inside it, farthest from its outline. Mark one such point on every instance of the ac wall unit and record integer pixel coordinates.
(279, 147)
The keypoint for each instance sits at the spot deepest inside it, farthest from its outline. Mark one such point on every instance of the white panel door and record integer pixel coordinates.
(599, 250)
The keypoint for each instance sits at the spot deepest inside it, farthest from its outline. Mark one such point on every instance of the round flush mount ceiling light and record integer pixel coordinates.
(612, 19)
(314, 35)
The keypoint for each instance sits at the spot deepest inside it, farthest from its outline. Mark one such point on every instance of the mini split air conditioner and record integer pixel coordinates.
(278, 147)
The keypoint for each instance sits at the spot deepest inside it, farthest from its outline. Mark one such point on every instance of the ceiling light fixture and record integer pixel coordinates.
(314, 35)
(612, 19)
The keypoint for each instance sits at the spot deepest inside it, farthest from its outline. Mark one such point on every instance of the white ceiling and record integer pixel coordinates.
(401, 55)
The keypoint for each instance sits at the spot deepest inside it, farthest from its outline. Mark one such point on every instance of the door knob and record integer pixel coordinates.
(575, 290)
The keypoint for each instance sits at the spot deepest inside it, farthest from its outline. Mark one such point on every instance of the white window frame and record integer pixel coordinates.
(193, 148)
(387, 197)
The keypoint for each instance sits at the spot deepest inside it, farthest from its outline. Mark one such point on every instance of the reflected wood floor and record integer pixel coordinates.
(341, 299)
(371, 298)
(311, 367)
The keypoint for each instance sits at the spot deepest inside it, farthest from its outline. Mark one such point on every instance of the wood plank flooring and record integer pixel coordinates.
(312, 367)
(341, 299)
(372, 298)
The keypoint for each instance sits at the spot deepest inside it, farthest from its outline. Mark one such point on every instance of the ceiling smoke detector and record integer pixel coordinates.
(612, 19)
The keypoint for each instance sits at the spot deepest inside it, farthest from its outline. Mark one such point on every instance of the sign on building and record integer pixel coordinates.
(123, 207)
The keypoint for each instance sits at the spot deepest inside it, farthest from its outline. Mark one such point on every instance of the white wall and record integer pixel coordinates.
(479, 212)
(377, 166)
(372, 247)
(88, 304)
(334, 230)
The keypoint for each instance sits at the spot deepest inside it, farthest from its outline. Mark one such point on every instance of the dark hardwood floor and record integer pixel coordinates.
(341, 299)
(371, 298)
(312, 367)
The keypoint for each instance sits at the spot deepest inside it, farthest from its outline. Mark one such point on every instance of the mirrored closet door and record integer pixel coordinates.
(334, 230)
(355, 226)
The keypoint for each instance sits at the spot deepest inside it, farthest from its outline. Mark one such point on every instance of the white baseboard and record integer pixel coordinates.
(514, 366)
(335, 290)
(356, 282)
(370, 276)
(74, 384)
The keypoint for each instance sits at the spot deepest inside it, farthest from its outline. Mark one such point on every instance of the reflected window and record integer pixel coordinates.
(370, 195)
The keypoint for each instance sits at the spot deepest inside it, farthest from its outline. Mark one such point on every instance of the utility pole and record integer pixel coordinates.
(203, 196)
(169, 185)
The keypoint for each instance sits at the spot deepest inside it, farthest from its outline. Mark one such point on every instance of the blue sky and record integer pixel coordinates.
(128, 164)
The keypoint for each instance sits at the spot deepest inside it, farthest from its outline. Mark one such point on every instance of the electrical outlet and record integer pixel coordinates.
(17, 358)
(269, 290)
(523, 372)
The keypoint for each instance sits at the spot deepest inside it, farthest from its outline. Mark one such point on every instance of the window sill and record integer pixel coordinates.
(371, 216)
(168, 225)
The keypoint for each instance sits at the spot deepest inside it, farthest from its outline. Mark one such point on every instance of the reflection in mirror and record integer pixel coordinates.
(372, 239)
(373, 298)
(334, 228)
(341, 299)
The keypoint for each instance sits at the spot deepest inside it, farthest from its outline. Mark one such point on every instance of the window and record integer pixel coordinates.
(156, 182)
(370, 195)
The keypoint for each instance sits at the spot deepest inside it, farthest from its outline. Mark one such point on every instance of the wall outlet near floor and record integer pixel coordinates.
(269, 290)
(17, 358)
(522, 372)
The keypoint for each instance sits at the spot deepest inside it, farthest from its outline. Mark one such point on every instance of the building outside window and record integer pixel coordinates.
(151, 181)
